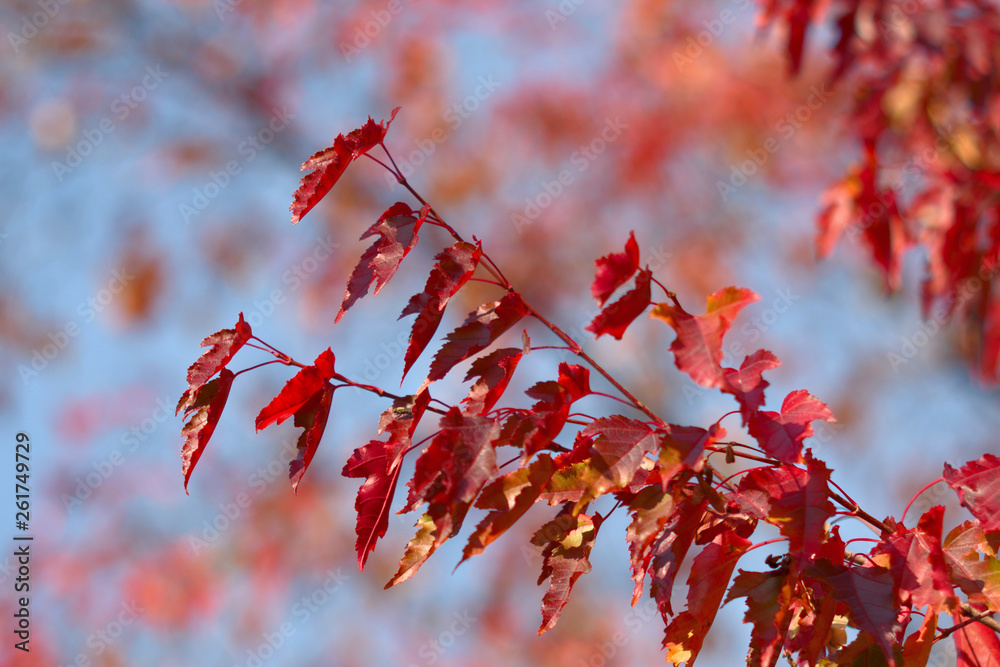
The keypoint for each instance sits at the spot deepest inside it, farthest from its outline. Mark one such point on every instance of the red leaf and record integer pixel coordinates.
(710, 573)
(917, 562)
(397, 230)
(575, 380)
(781, 435)
(917, 648)
(651, 509)
(478, 332)
(977, 484)
(698, 346)
(225, 344)
(616, 318)
(769, 595)
(614, 270)
(379, 463)
(973, 564)
(449, 474)
(682, 447)
(206, 404)
(747, 383)
(307, 383)
(312, 417)
(797, 501)
(508, 498)
(670, 548)
(329, 164)
(495, 371)
(617, 451)
(567, 541)
(534, 430)
(453, 269)
(976, 645)
(869, 594)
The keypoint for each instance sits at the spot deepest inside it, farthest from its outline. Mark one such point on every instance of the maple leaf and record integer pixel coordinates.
(977, 484)
(869, 593)
(478, 332)
(797, 501)
(567, 540)
(330, 163)
(682, 447)
(307, 397)
(707, 582)
(614, 270)
(815, 626)
(379, 462)
(454, 267)
(205, 406)
(508, 498)
(224, 345)
(747, 383)
(397, 231)
(616, 318)
(617, 451)
(651, 509)
(449, 474)
(769, 597)
(698, 347)
(975, 645)
(494, 371)
(303, 386)
(575, 473)
(917, 648)
(418, 550)
(973, 564)
(535, 429)
(670, 548)
(312, 417)
(781, 435)
(917, 562)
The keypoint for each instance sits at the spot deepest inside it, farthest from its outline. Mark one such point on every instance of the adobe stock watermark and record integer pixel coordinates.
(293, 278)
(430, 652)
(363, 35)
(87, 311)
(580, 160)
(695, 45)
(454, 116)
(635, 619)
(563, 11)
(249, 148)
(897, 19)
(106, 466)
(910, 346)
(231, 512)
(120, 108)
(740, 174)
(102, 640)
(300, 613)
(31, 25)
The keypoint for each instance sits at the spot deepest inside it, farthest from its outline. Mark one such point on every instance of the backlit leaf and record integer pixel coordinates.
(330, 163)
(205, 407)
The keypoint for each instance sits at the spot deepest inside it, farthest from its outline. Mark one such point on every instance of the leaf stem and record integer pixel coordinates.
(915, 495)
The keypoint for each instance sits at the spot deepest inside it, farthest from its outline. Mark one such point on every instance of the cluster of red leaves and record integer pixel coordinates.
(659, 472)
(925, 77)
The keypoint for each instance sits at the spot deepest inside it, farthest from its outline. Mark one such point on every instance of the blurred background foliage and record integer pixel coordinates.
(151, 152)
